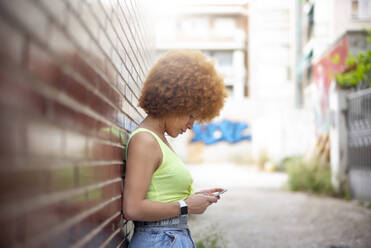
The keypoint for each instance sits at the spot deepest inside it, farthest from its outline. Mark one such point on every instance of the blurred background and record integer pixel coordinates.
(297, 118)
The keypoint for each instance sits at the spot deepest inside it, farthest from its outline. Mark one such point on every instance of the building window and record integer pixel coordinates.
(223, 59)
(224, 26)
(229, 89)
(308, 9)
(165, 29)
(361, 9)
(194, 26)
(310, 21)
(224, 64)
(308, 67)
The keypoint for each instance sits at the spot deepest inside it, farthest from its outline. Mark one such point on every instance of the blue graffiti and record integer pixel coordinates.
(228, 131)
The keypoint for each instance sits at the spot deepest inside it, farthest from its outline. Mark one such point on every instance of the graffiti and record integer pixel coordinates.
(228, 131)
(324, 72)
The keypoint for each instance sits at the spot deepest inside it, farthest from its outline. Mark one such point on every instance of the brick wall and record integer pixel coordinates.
(71, 72)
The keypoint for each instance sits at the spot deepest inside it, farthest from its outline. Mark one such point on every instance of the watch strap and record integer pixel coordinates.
(183, 207)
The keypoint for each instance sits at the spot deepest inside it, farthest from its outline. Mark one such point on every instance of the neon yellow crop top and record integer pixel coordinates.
(172, 180)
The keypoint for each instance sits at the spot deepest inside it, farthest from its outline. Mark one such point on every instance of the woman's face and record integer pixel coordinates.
(176, 125)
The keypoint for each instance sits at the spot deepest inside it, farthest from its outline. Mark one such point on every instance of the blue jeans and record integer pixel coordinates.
(170, 233)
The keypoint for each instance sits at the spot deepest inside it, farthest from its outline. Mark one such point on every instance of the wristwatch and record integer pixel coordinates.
(183, 207)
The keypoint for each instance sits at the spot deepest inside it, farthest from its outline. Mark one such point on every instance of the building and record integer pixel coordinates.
(218, 29)
(332, 31)
(322, 24)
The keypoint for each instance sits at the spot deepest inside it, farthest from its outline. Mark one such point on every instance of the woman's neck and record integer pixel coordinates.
(155, 124)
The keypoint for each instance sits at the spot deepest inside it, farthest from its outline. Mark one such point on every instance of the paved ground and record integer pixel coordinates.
(257, 213)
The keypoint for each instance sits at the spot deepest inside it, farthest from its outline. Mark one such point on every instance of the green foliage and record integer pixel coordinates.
(360, 69)
(313, 177)
(335, 59)
(346, 192)
(285, 161)
(210, 237)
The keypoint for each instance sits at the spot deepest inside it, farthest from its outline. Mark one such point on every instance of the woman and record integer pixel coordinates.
(182, 87)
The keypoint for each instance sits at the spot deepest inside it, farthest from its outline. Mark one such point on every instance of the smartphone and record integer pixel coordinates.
(219, 193)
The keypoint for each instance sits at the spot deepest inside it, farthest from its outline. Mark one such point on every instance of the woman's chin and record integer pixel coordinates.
(173, 135)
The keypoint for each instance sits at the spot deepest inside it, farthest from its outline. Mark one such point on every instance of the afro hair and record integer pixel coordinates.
(183, 82)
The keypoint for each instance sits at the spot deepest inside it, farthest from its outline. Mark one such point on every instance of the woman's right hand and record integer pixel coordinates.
(198, 203)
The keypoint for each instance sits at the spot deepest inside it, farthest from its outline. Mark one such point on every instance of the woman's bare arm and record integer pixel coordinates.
(144, 157)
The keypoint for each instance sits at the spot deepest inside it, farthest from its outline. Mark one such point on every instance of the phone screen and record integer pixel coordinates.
(219, 193)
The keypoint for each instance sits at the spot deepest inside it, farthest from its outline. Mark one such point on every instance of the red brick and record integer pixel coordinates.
(108, 172)
(121, 85)
(101, 151)
(56, 9)
(77, 31)
(20, 228)
(105, 234)
(115, 135)
(103, 87)
(11, 138)
(86, 176)
(44, 140)
(102, 130)
(18, 95)
(86, 124)
(64, 115)
(41, 131)
(62, 179)
(41, 65)
(112, 116)
(41, 220)
(93, 221)
(8, 232)
(75, 145)
(29, 15)
(116, 98)
(83, 68)
(74, 89)
(11, 44)
(102, 107)
(116, 190)
(22, 185)
(58, 41)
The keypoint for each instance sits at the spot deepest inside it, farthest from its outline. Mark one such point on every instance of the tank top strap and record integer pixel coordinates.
(162, 144)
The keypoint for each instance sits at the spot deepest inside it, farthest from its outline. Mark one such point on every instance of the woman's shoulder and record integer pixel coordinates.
(143, 138)
(144, 145)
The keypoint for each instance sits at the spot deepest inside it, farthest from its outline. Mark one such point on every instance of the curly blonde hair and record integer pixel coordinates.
(183, 82)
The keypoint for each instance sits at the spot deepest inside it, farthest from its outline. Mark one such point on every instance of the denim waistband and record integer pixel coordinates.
(178, 222)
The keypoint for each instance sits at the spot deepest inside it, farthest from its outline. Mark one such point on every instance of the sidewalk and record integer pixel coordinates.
(256, 213)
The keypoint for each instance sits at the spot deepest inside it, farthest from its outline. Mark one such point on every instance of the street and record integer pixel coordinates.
(257, 212)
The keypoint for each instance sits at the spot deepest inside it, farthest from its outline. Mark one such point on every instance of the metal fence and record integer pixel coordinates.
(70, 77)
(359, 143)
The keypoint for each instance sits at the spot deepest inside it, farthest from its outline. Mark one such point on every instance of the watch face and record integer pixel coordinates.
(184, 210)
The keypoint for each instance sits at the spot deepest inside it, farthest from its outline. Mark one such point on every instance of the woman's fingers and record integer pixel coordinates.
(209, 191)
(199, 203)
(211, 199)
(216, 190)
